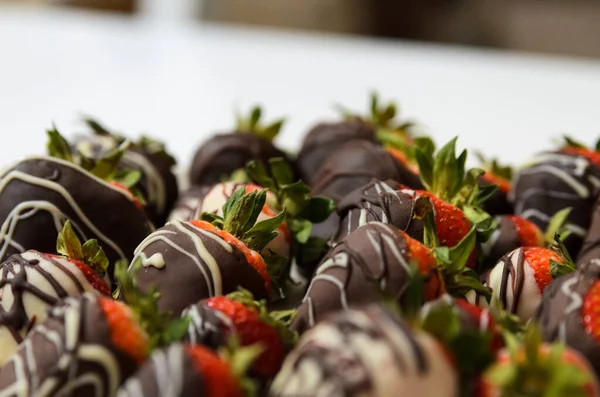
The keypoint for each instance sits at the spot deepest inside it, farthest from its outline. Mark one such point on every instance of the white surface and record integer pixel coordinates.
(182, 83)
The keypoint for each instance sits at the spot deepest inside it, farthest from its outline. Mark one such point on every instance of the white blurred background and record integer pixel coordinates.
(507, 76)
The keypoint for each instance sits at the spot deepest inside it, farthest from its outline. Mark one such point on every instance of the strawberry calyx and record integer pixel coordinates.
(452, 262)
(253, 258)
(533, 368)
(161, 327)
(565, 264)
(145, 143)
(471, 348)
(558, 225)
(240, 360)
(252, 125)
(445, 176)
(239, 226)
(90, 253)
(105, 167)
(280, 319)
(294, 196)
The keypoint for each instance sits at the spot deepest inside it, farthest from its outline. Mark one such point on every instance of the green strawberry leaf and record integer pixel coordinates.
(228, 207)
(85, 162)
(282, 171)
(96, 127)
(567, 265)
(106, 166)
(257, 173)
(252, 124)
(459, 254)
(93, 255)
(242, 216)
(68, 244)
(425, 163)
(294, 197)
(127, 178)
(413, 296)
(318, 209)
(213, 219)
(483, 222)
(484, 193)
(58, 146)
(557, 225)
(156, 148)
(301, 229)
(570, 142)
(261, 233)
(311, 251)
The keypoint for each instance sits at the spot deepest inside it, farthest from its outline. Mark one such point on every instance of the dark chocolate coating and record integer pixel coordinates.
(559, 315)
(42, 188)
(497, 203)
(223, 154)
(505, 239)
(161, 194)
(188, 276)
(207, 327)
(324, 138)
(591, 245)
(67, 353)
(371, 259)
(552, 182)
(379, 201)
(356, 163)
(170, 372)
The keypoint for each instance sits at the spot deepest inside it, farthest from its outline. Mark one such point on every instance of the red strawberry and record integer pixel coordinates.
(125, 331)
(591, 155)
(529, 234)
(89, 257)
(530, 270)
(252, 324)
(217, 377)
(538, 369)
(93, 277)
(425, 260)
(591, 311)
(503, 183)
(254, 259)
(135, 200)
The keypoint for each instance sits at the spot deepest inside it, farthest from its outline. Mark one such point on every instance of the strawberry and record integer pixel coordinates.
(576, 148)
(125, 332)
(250, 323)
(132, 197)
(467, 332)
(591, 311)
(426, 264)
(491, 178)
(239, 227)
(455, 195)
(182, 370)
(534, 368)
(216, 374)
(529, 234)
(520, 277)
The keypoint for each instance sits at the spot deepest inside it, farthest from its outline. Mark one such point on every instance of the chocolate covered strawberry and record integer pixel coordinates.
(367, 351)
(222, 154)
(39, 193)
(469, 332)
(569, 176)
(454, 194)
(520, 277)
(33, 282)
(89, 345)
(512, 232)
(182, 370)
(501, 176)
(215, 320)
(213, 200)
(374, 260)
(149, 157)
(533, 368)
(191, 261)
